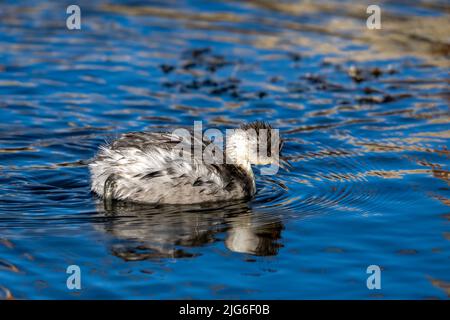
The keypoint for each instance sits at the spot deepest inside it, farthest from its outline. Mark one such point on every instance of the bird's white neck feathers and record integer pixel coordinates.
(238, 149)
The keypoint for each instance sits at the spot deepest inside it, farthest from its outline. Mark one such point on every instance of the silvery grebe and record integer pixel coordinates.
(146, 167)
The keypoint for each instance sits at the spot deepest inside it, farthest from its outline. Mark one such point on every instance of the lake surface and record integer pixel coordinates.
(364, 114)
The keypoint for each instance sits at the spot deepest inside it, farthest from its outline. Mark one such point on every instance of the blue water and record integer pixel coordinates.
(364, 113)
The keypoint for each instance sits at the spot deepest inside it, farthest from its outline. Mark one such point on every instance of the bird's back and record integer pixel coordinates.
(148, 167)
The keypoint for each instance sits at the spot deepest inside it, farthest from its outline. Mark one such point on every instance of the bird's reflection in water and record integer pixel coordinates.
(152, 232)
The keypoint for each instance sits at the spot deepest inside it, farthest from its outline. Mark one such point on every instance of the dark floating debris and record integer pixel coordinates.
(320, 83)
(376, 72)
(224, 87)
(209, 83)
(262, 94)
(295, 56)
(356, 74)
(369, 90)
(359, 74)
(203, 58)
(202, 64)
(166, 68)
(196, 53)
(189, 65)
(275, 79)
(196, 62)
(386, 98)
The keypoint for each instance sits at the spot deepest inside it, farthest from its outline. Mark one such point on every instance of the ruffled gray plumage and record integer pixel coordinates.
(146, 167)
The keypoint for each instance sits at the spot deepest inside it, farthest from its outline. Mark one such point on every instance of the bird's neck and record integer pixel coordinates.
(242, 163)
(237, 152)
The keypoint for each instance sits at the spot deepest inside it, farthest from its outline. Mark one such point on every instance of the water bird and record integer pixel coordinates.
(146, 167)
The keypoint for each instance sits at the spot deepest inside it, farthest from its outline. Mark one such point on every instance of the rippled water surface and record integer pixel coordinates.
(364, 113)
